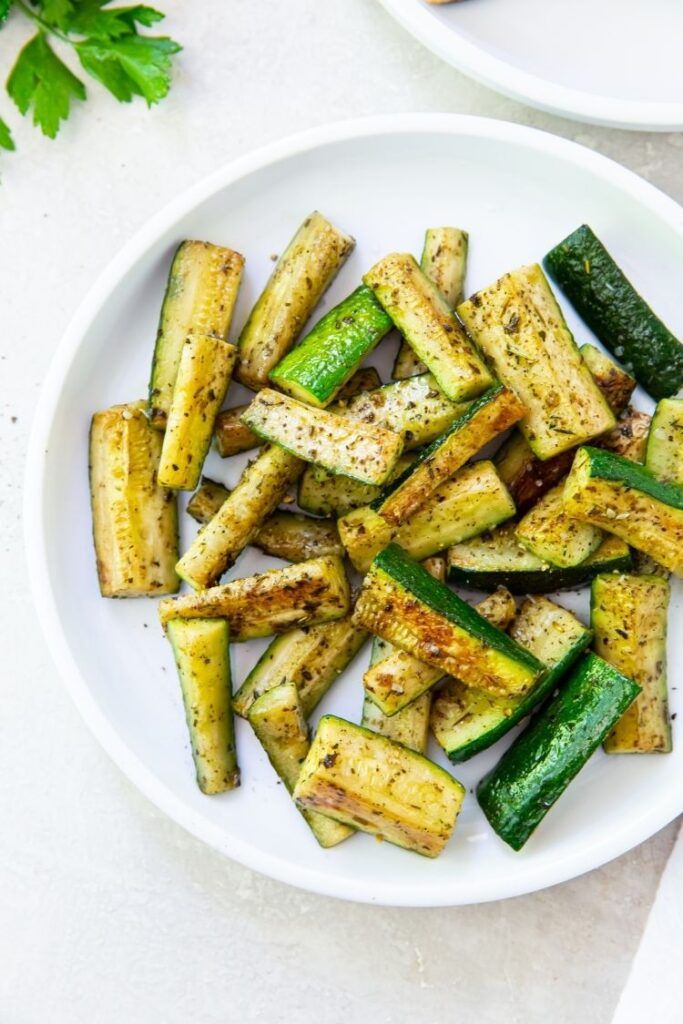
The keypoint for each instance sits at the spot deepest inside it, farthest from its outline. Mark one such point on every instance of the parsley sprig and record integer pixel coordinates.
(107, 42)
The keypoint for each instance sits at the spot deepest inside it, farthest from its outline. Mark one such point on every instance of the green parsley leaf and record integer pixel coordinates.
(92, 21)
(39, 78)
(4, 10)
(131, 66)
(6, 140)
(57, 12)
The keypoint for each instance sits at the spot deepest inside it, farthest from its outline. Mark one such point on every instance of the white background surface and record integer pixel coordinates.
(108, 912)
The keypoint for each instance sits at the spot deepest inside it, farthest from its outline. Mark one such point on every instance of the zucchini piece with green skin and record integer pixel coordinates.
(280, 727)
(368, 782)
(303, 273)
(614, 382)
(519, 326)
(401, 679)
(466, 721)
(629, 616)
(624, 498)
(202, 380)
(365, 453)
(548, 532)
(400, 602)
(202, 655)
(317, 369)
(498, 559)
(261, 488)
(200, 298)
(134, 520)
(436, 567)
(427, 323)
(302, 594)
(324, 494)
(664, 456)
(287, 535)
(444, 261)
(535, 771)
(365, 531)
(409, 726)
(311, 658)
(622, 320)
(473, 501)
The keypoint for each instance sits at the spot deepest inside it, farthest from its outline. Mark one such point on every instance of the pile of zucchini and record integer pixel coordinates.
(396, 482)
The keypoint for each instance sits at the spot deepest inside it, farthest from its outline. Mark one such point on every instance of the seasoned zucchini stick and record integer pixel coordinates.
(200, 298)
(368, 782)
(270, 602)
(365, 531)
(260, 490)
(614, 382)
(202, 655)
(201, 383)
(401, 679)
(534, 773)
(465, 720)
(623, 498)
(427, 323)
(365, 453)
(410, 726)
(311, 658)
(628, 614)
(498, 559)
(280, 726)
(607, 301)
(316, 370)
(135, 522)
(520, 328)
(554, 536)
(444, 261)
(664, 457)
(400, 602)
(285, 535)
(303, 273)
(322, 493)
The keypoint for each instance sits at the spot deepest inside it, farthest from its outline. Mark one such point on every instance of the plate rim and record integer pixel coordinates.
(597, 852)
(511, 81)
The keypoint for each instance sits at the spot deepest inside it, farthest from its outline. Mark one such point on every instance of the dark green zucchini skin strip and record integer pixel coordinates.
(617, 469)
(535, 771)
(542, 581)
(623, 321)
(415, 579)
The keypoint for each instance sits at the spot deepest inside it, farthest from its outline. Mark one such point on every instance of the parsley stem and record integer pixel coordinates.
(45, 25)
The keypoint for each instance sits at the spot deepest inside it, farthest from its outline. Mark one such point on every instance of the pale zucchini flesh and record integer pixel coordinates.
(614, 382)
(323, 493)
(135, 521)
(202, 655)
(278, 721)
(629, 616)
(444, 261)
(554, 536)
(303, 594)
(427, 323)
(260, 490)
(202, 380)
(409, 726)
(303, 273)
(520, 328)
(200, 298)
(664, 456)
(368, 782)
(364, 452)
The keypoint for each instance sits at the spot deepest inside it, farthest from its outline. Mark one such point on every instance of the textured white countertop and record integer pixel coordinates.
(108, 911)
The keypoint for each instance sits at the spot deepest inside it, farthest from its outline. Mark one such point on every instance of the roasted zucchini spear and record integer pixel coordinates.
(402, 603)
(628, 614)
(135, 522)
(410, 726)
(427, 323)
(520, 328)
(664, 457)
(368, 782)
(444, 261)
(280, 726)
(554, 536)
(270, 602)
(322, 493)
(231, 435)
(200, 298)
(365, 453)
(260, 490)
(201, 383)
(202, 655)
(614, 382)
(303, 273)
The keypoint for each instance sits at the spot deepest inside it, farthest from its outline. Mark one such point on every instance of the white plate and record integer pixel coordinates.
(610, 62)
(518, 191)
